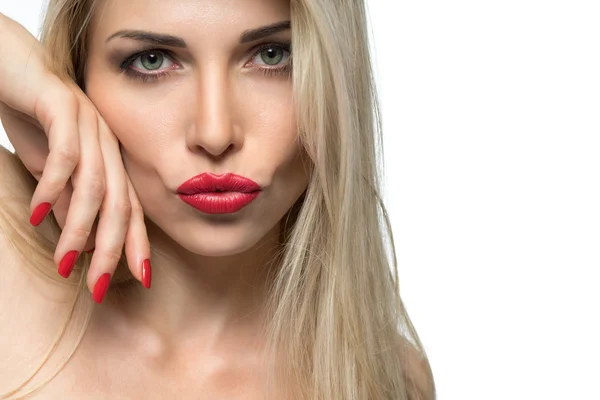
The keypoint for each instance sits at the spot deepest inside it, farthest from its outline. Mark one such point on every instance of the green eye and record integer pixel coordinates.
(272, 55)
(151, 61)
(149, 65)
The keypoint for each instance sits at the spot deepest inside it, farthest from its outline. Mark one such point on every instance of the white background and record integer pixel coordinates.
(492, 134)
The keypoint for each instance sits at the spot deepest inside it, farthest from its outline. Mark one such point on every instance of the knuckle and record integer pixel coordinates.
(54, 182)
(80, 232)
(69, 155)
(118, 208)
(97, 186)
(123, 208)
(112, 255)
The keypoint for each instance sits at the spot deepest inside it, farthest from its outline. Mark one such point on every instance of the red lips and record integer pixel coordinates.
(218, 194)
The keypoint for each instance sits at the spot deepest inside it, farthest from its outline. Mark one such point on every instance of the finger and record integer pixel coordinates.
(88, 193)
(137, 246)
(60, 210)
(61, 206)
(57, 111)
(114, 220)
(90, 245)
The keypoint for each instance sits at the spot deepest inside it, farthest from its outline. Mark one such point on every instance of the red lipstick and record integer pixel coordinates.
(218, 194)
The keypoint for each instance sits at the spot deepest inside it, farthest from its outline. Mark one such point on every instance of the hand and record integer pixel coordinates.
(66, 145)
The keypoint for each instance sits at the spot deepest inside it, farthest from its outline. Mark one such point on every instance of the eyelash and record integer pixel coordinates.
(132, 74)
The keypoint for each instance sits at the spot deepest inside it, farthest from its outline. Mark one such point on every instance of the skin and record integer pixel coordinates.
(214, 112)
(195, 333)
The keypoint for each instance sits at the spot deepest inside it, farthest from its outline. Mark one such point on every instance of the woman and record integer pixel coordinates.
(246, 197)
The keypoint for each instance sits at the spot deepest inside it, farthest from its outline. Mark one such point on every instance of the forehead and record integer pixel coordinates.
(188, 17)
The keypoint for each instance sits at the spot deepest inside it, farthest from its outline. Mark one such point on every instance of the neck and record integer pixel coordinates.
(193, 296)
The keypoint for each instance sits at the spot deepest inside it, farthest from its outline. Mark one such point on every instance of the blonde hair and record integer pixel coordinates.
(335, 307)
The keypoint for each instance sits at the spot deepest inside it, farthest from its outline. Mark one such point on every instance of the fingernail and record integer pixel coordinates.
(40, 213)
(146, 274)
(90, 251)
(67, 263)
(100, 288)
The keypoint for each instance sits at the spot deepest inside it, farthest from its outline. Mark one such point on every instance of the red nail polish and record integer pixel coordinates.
(100, 288)
(40, 213)
(90, 251)
(146, 274)
(67, 263)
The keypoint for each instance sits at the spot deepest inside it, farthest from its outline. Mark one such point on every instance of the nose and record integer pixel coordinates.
(214, 131)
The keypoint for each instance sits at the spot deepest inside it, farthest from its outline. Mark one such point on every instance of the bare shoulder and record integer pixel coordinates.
(32, 306)
(418, 375)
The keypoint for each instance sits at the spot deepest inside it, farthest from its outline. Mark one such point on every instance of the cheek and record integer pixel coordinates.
(280, 151)
(270, 124)
(136, 113)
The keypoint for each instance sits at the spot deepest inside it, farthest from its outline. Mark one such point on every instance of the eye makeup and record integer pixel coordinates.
(130, 66)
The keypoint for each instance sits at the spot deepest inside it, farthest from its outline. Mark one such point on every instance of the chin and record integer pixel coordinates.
(220, 237)
(218, 245)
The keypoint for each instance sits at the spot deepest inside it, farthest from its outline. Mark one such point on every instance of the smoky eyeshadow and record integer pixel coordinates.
(118, 56)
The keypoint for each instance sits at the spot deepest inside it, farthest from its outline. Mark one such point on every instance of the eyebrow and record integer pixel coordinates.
(265, 31)
(174, 41)
(149, 37)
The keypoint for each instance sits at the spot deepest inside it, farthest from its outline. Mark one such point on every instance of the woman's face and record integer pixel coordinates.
(192, 87)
